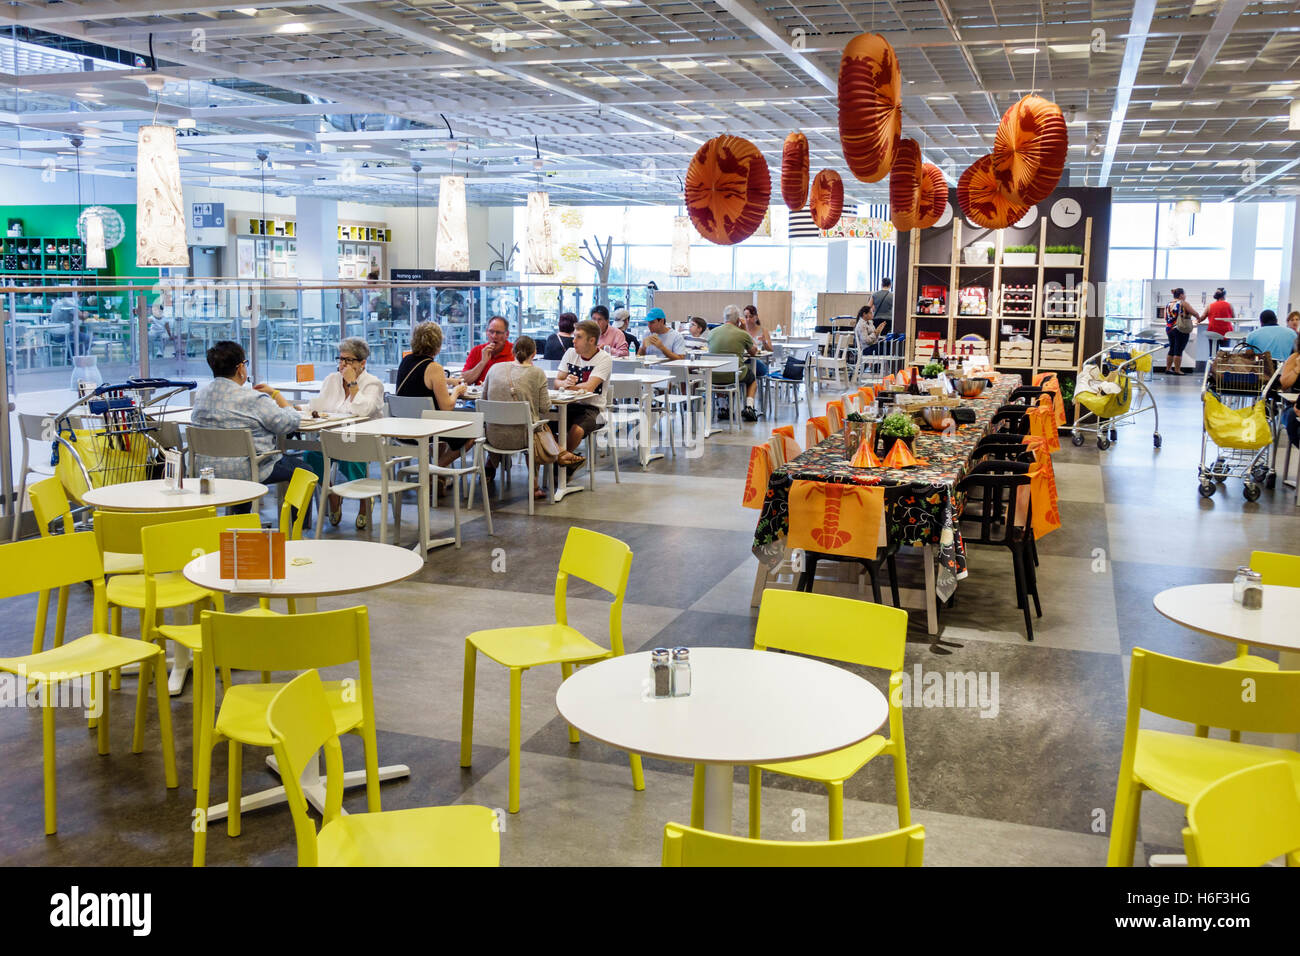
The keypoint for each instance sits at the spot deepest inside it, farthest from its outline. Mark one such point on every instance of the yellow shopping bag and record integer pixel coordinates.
(1245, 428)
(106, 460)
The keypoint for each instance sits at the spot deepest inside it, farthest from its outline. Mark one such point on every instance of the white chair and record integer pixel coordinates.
(520, 414)
(342, 444)
(680, 400)
(627, 365)
(624, 410)
(733, 390)
(32, 428)
(833, 361)
(474, 449)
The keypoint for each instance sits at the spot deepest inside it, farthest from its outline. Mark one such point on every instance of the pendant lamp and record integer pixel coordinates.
(727, 189)
(96, 255)
(160, 229)
(537, 235)
(679, 264)
(453, 228)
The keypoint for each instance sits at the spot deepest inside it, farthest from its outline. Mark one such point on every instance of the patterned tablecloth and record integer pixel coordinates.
(920, 502)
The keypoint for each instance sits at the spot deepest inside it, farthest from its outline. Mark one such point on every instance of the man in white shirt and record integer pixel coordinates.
(584, 368)
(662, 340)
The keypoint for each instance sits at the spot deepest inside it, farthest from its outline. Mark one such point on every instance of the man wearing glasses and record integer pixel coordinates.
(226, 403)
(495, 350)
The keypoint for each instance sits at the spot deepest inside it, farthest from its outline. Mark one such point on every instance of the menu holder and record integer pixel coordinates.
(252, 556)
(305, 373)
(173, 472)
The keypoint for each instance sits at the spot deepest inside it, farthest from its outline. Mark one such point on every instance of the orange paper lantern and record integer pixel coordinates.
(727, 189)
(980, 199)
(794, 171)
(934, 196)
(827, 198)
(1029, 150)
(905, 185)
(871, 115)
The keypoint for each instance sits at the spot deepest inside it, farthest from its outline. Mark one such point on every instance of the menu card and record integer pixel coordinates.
(252, 554)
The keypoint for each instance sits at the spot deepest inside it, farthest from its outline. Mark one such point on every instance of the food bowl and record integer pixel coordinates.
(971, 387)
(935, 416)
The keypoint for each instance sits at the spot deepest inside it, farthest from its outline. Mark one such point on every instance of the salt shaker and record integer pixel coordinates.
(206, 475)
(1253, 596)
(1239, 583)
(681, 672)
(660, 678)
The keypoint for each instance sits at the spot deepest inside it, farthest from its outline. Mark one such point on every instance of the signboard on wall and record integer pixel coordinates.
(206, 225)
(431, 275)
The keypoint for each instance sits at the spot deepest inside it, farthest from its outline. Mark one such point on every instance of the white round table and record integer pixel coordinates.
(154, 496)
(337, 567)
(1210, 609)
(746, 707)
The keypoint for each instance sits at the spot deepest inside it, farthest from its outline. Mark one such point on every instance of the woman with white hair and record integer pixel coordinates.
(349, 391)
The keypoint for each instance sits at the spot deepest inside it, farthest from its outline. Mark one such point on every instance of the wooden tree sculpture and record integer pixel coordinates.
(503, 259)
(600, 259)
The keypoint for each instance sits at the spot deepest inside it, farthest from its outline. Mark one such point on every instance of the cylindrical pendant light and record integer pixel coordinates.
(679, 264)
(96, 255)
(537, 236)
(160, 227)
(453, 227)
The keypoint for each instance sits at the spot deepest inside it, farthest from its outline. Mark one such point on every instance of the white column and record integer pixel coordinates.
(1289, 293)
(837, 265)
(318, 238)
(1245, 223)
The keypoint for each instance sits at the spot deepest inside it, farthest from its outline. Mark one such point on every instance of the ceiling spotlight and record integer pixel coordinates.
(1096, 150)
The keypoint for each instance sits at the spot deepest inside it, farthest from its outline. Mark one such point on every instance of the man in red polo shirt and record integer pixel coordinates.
(496, 349)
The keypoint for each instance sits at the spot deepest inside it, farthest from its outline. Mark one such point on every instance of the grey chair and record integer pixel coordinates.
(341, 444)
(225, 443)
(513, 413)
(32, 428)
(404, 406)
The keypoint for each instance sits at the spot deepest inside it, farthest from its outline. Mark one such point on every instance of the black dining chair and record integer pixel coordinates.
(999, 490)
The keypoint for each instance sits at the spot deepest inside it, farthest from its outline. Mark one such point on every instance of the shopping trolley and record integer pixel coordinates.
(1110, 387)
(1237, 420)
(106, 436)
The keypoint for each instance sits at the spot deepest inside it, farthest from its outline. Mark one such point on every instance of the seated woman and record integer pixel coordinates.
(560, 342)
(349, 391)
(866, 335)
(521, 381)
(1288, 379)
(419, 376)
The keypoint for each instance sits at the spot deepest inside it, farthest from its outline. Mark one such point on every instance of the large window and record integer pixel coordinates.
(1269, 237)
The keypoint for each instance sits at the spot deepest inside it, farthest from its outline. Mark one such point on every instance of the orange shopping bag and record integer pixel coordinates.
(761, 466)
(831, 518)
(1046, 516)
(1049, 381)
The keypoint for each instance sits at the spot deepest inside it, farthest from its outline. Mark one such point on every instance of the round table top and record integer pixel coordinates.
(1210, 609)
(745, 707)
(154, 496)
(405, 427)
(337, 567)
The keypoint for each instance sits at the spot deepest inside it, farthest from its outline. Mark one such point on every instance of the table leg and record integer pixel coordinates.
(1288, 661)
(561, 471)
(931, 597)
(708, 401)
(718, 786)
(643, 427)
(181, 661)
(425, 545)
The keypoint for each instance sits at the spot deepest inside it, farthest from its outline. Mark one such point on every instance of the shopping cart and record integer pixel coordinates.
(1237, 420)
(1110, 387)
(107, 437)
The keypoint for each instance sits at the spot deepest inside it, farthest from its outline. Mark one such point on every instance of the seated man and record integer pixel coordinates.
(730, 339)
(611, 337)
(1277, 340)
(662, 340)
(495, 350)
(226, 403)
(622, 320)
(584, 368)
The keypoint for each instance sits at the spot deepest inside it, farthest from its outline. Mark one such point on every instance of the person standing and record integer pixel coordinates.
(1217, 313)
(611, 339)
(495, 349)
(882, 304)
(1178, 327)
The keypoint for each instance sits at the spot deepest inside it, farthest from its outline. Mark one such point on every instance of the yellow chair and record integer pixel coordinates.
(280, 642)
(50, 504)
(1180, 766)
(301, 725)
(855, 632)
(1246, 819)
(62, 561)
(297, 496)
(167, 549)
(688, 846)
(592, 557)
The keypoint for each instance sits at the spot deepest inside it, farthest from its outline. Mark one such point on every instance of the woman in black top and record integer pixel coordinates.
(560, 342)
(419, 376)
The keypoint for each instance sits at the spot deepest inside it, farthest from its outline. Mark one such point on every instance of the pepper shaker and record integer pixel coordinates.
(660, 678)
(206, 476)
(1253, 596)
(681, 672)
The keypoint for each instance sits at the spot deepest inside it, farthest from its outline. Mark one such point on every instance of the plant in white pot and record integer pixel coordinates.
(1020, 256)
(1063, 256)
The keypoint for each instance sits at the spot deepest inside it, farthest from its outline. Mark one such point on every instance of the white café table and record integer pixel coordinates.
(420, 430)
(313, 388)
(746, 707)
(336, 567)
(706, 365)
(1210, 609)
(155, 496)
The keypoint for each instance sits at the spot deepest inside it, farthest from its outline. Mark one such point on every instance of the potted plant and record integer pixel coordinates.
(1063, 256)
(932, 370)
(893, 428)
(1020, 256)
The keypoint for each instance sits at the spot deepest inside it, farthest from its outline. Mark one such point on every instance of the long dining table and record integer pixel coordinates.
(921, 506)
